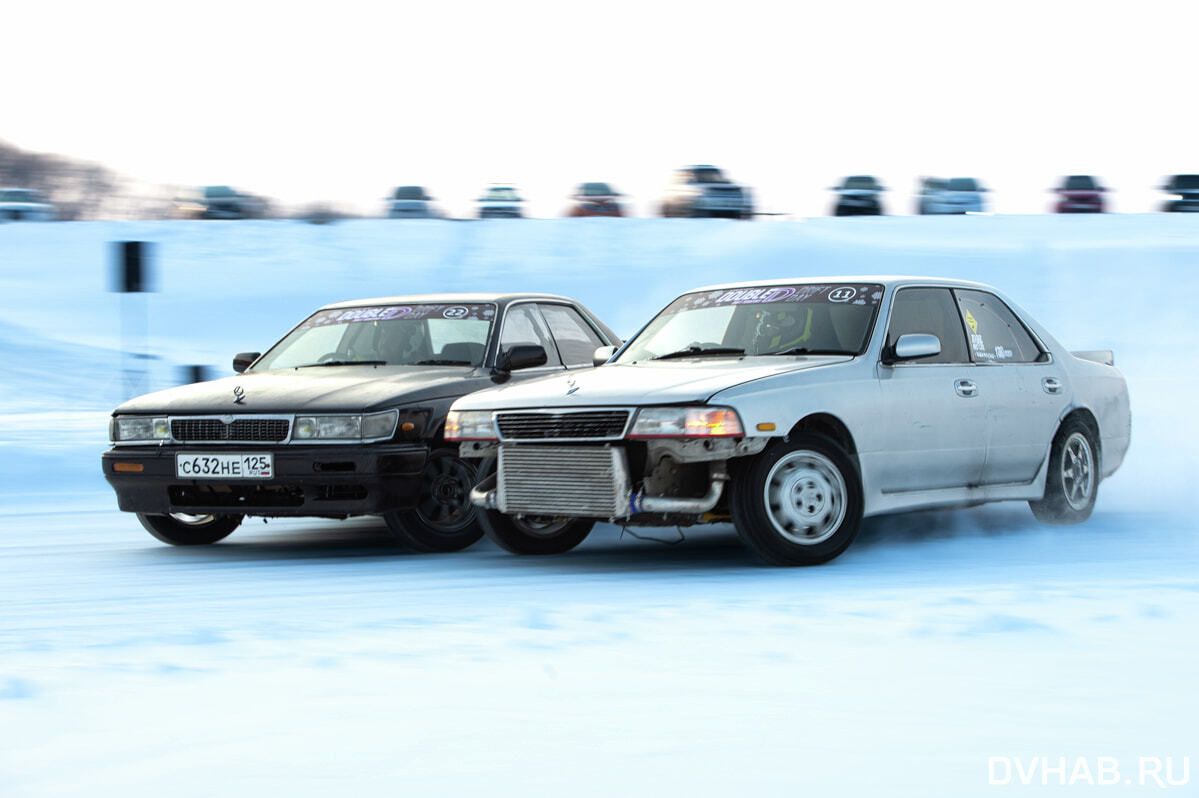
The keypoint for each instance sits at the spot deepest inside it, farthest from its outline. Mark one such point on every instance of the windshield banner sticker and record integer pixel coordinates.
(480, 312)
(870, 294)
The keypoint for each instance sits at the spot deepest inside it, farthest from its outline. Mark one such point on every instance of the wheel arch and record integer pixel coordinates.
(829, 426)
(1087, 418)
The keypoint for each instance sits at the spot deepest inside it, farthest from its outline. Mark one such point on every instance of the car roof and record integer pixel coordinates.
(439, 299)
(886, 280)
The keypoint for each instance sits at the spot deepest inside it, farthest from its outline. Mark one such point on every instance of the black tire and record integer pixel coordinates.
(179, 529)
(534, 535)
(443, 520)
(823, 507)
(1072, 482)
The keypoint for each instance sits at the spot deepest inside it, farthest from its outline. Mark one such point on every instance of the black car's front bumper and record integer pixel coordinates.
(330, 480)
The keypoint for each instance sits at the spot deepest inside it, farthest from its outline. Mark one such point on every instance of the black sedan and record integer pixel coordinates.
(344, 416)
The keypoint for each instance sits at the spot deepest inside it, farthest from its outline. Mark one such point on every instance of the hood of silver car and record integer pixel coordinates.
(684, 381)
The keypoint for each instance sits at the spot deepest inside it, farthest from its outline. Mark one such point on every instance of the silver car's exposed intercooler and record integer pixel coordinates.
(579, 481)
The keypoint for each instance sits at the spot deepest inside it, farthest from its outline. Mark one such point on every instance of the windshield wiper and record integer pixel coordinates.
(803, 350)
(693, 351)
(345, 363)
(442, 362)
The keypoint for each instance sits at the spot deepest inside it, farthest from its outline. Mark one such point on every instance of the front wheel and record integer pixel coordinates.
(798, 502)
(443, 520)
(1073, 479)
(181, 529)
(534, 534)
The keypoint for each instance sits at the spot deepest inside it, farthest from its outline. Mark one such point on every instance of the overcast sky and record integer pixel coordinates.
(341, 101)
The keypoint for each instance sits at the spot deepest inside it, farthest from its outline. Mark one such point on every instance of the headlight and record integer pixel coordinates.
(141, 428)
(687, 422)
(370, 427)
(469, 425)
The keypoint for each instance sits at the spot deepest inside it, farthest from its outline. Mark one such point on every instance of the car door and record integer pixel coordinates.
(524, 324)
(1025, 392)
(575, 338)
(932, 418)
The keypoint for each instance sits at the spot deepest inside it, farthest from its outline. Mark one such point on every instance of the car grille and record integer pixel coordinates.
(248, 430)
(574, 481)
(576, 425)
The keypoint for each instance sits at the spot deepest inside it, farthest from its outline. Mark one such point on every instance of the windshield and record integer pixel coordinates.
(860, 181)
(596, 190)
(817, 318)
(962, 184)
(501, 194)
(1080, 183)
(386, 335)
(707, 174)
(219, 192)
(19, 195)
(1187, 182)
(409, 193)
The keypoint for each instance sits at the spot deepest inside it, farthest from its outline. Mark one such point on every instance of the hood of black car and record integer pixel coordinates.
(325, 389)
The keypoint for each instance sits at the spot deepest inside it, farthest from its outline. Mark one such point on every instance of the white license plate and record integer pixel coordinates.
(225, 466)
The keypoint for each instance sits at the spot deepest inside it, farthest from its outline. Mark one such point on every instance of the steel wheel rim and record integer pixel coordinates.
(444, 504)
(1078, 471)
(541, 526)
(805, 497)
(192, 520)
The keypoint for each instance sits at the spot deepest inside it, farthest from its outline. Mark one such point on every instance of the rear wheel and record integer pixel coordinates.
(799, 502)
(535, 534)
(181, 529)
(1073, 479)
(443, 520)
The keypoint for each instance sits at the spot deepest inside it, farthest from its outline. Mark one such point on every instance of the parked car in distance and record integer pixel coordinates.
(24, 204)
(411, 202)
(501, 201)
(705, 191)
(343, 416)
(796, 408)
(1079, 194)
(595, 199)
(955, 195)
(859, 195)
(223, 202)
(928, 189)
(1185, 188)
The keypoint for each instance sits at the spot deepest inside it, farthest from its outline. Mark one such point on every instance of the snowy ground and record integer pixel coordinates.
(309, 657)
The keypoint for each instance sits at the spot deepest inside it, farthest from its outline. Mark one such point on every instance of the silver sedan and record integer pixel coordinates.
(796, 408)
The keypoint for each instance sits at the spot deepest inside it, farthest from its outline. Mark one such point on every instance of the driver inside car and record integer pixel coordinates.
(780, 330)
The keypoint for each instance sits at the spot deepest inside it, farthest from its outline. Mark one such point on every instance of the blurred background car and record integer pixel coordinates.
(955, 195)
(25, 204)
(859, 195)
(595, 199)
(501, 201)
(412, 202)
(1079, 194)
(928, 188)
(697, 191)
(1186, 189)
(223, 202)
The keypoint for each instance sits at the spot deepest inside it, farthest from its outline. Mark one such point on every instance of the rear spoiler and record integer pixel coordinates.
(1103, 356)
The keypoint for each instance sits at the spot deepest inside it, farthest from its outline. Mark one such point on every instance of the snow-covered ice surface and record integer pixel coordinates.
(309, 657)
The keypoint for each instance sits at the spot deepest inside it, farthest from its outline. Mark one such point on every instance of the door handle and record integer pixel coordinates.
(1051, 385)
(965, 388)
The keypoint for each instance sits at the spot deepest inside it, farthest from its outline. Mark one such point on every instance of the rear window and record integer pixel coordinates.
(1080, 183)
(962, 184)
(409, 193)
(1185, 181)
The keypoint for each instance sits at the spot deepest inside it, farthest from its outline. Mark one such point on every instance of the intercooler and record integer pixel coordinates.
(575, 481)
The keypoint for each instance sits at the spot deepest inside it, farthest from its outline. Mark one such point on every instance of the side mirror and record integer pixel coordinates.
(913, 346)
(521, 356)
(603, 354)
(242, 360)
